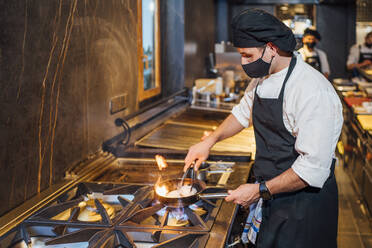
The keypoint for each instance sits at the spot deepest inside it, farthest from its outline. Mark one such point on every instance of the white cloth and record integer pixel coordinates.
(304, 51)
(253, 223)
(312, 112)
(353, 57)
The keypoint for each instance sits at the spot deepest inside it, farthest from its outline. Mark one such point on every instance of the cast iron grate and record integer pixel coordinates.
(128, 227)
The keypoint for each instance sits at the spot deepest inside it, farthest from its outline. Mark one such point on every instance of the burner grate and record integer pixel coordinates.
(130, 227)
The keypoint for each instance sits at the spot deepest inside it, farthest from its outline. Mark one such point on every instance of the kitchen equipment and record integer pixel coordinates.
(181, 137)
(353, 93)
(207, 169)
(193, 177)
(363, 84)
(137, 220)
(350, 101)
(342, 81)
(346, 88)
(365, 121)
(190, 171)
(180, 202)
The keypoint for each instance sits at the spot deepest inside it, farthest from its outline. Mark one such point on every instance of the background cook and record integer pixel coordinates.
(360, 55)
(312, 55)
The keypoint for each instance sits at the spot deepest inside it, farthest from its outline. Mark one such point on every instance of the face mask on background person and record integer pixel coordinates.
(258, 68)
(369, 45)
(310, 45)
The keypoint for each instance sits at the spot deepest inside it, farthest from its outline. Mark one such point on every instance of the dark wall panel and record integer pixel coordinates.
(173, 60)
(199, 37)
(60, 64)
(222, 23)
(336, 24)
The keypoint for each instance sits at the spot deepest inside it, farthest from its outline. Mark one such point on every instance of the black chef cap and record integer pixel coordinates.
(255, 28)
(312, 32)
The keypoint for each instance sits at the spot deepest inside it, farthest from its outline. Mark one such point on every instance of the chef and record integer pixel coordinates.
(297, 119)
(360, 56)
(312, 55)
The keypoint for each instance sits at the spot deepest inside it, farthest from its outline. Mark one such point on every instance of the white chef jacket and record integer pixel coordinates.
(312, 113)
(316, 52)
(354, 53)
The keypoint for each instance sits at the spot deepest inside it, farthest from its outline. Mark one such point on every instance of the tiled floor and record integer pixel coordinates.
(354, 229)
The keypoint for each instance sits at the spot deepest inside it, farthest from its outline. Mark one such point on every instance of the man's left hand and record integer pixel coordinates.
(245, 194)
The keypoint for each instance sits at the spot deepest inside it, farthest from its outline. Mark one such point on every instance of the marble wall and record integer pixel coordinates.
(336, 41)
(61, 61)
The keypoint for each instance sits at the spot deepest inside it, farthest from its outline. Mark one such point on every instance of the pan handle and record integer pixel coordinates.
(214, 195)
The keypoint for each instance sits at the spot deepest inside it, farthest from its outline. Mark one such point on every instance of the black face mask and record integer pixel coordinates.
(369, 45)
(310, 45)
(258, 68)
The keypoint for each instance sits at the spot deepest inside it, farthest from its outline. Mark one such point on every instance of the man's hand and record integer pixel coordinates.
(365, 63)
(245, 194)
(198, 153)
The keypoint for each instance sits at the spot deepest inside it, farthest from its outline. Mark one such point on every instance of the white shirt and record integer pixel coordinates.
(316, 52)
(353, 57)
(312, 113)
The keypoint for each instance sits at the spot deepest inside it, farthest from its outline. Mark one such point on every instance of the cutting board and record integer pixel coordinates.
(365, 121)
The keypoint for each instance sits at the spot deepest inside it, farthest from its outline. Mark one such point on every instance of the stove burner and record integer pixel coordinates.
(129, 216)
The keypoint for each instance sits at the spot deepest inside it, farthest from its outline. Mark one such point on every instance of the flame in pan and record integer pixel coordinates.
(161, 190)
(161, 162)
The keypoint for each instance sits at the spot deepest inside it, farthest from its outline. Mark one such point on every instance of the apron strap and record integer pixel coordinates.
(289, 72)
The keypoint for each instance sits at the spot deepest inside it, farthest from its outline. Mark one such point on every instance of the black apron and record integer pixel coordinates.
(364, 56)
(314, 61)
(305, 218)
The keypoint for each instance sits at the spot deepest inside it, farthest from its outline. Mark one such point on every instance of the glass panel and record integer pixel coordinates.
(148, 43)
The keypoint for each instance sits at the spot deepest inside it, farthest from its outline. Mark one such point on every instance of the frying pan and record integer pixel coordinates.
(179, 202)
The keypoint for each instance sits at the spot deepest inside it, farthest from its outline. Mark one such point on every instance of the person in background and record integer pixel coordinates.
(360, 56)
(313, 56)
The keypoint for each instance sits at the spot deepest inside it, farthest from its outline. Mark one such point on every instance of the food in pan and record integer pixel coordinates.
(183, 191)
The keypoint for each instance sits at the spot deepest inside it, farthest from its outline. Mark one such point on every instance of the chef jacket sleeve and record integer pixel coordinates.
(353, 57)
(319, 122)
(324, 62)
(243, 111)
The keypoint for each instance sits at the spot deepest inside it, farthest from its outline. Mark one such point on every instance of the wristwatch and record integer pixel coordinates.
(264, 191)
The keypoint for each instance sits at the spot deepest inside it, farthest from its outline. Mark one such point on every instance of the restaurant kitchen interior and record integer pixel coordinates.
(100, 101)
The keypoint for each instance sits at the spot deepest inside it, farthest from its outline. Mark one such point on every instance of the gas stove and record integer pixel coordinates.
(118, 208)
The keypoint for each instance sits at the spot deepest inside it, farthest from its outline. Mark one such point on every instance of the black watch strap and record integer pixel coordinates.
(264, 191)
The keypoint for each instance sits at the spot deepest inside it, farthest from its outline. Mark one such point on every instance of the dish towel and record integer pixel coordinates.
(253, 222)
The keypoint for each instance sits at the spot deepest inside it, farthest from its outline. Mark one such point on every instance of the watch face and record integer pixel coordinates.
(264, 192)
(266, 195)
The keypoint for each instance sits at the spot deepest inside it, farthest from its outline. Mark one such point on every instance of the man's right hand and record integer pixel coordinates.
(198, 153)
(365, 63)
